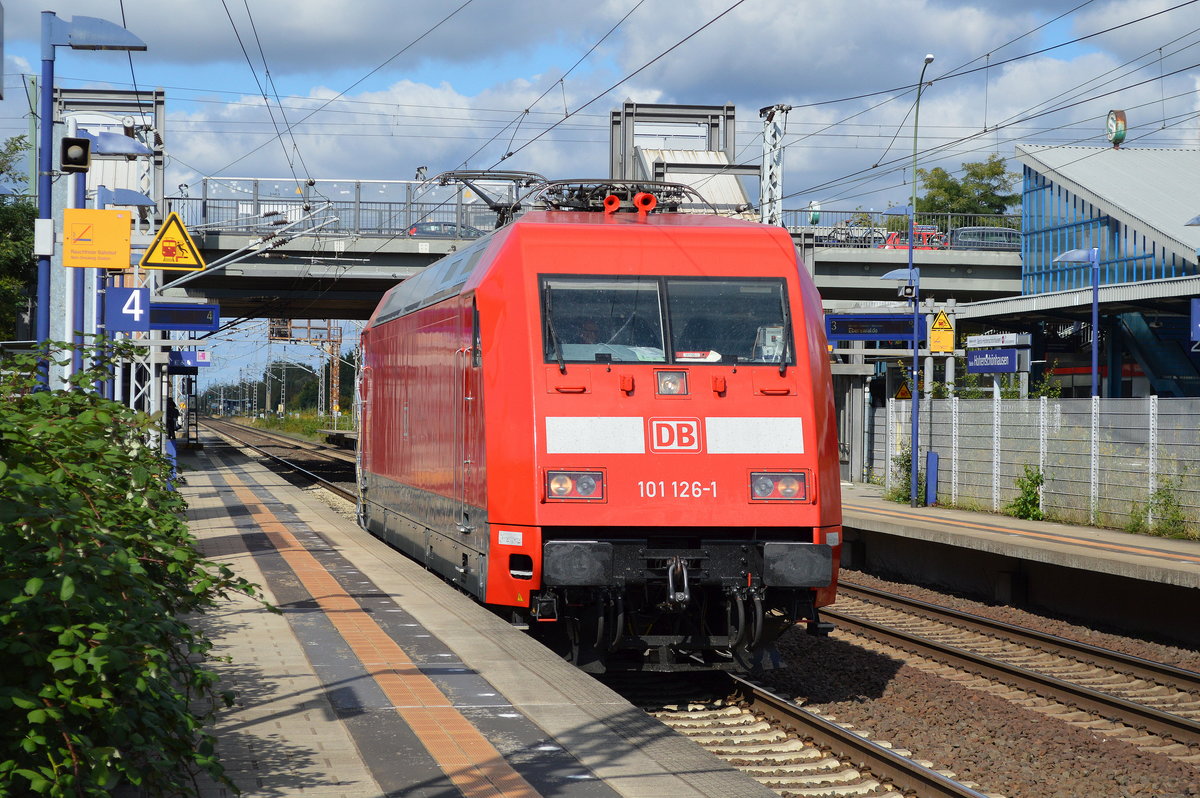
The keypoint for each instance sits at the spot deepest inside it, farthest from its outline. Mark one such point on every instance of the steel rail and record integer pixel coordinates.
(1180, 729)
(332, 487)
(883, 763)
(300, 443)
(1173, 676)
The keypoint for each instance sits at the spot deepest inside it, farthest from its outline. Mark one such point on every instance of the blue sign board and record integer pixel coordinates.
(189, 357)
(127, 309)
(1195, 320)
(993, 361)
(185, 316)
(872, 327)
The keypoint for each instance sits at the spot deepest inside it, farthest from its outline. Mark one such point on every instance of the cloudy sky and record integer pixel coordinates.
(374, 89)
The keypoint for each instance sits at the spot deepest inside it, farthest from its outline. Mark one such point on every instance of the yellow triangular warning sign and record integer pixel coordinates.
(941, 323)
(902, 392)
(173, 248)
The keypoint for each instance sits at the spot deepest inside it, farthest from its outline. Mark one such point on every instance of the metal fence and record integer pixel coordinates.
(390, 207)
(1103, 459)
(871, 228)
(358, 207)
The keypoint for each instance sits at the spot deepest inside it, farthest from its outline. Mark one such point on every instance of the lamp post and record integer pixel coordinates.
(1091, 256)
(80, 33)
(915, 278)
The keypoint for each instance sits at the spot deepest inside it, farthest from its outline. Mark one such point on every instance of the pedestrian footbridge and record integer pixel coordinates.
(330, 249)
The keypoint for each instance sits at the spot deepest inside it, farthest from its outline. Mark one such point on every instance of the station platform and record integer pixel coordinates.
(1111, 551)
(377, 679)
(1134, 582)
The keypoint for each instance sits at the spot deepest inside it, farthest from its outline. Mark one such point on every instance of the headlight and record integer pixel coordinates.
(672, 383)
(585, 485)
(575, 485)
(772, 486)
(762, 486)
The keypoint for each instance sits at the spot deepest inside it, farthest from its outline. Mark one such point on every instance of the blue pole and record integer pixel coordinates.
(45, 166)
(77, 277)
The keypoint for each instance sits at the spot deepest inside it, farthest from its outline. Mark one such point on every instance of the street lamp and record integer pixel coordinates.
(915, 282)
(80, 33)
(1091, 256)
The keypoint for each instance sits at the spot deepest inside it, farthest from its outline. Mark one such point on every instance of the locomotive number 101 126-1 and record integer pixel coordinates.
(662, 489)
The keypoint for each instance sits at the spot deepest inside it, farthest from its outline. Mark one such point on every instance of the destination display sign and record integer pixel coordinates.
(189, 357)
(997, 340)
(872, 327)
(182, 316)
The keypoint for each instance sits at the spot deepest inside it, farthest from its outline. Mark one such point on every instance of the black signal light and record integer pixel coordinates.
(76, 154)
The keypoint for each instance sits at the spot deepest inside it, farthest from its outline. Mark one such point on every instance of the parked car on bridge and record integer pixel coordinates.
(443, 230)
(927, 237)
(1003, 239)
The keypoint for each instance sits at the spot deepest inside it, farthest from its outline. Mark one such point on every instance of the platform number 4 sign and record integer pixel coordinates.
(127, 309)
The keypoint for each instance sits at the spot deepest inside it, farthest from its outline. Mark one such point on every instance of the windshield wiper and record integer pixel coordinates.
(558, 355)
(787, 332)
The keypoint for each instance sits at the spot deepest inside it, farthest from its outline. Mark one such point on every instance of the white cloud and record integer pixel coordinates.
(457, 95)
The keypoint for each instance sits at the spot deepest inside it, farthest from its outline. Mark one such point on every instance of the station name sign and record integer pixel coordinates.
(997, 361)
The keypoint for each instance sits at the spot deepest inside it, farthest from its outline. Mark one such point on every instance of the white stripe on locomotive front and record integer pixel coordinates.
(627, 435)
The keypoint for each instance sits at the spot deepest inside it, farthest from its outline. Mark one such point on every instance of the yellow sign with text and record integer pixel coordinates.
(173, 248)
(96, 239)
(941, 334)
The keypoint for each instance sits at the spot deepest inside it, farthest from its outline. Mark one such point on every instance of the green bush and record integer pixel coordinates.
(1028, 502)
(1169, 519)
(101, 676)
(901, 490)
(305, 424)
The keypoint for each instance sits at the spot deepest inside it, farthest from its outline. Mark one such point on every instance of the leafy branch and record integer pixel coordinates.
(103, 674)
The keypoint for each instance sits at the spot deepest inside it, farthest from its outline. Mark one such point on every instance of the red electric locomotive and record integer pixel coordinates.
(616, 424)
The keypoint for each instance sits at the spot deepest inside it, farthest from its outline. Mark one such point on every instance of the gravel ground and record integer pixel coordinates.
(1147, 649)
(979, 736)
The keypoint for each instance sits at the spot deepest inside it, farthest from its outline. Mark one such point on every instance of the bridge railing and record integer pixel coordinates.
(387, 208)
(357, 207)
(839, 228)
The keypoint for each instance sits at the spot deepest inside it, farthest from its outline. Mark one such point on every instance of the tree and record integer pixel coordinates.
(986, 187)
(17, 213)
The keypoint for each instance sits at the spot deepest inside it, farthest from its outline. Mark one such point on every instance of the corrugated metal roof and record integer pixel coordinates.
(1150, 189)
(1109, 295)
(719, 189)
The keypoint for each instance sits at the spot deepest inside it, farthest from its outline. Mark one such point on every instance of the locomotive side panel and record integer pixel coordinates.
(422, 449)
(824, 412)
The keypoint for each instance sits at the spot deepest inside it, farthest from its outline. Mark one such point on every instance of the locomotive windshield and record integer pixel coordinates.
(628, 319)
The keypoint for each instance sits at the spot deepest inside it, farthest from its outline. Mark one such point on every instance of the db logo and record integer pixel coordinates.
(674, 434)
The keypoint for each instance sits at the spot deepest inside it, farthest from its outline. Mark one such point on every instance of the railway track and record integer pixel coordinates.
(334, 478)
(1154, 706)
(782, 745)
